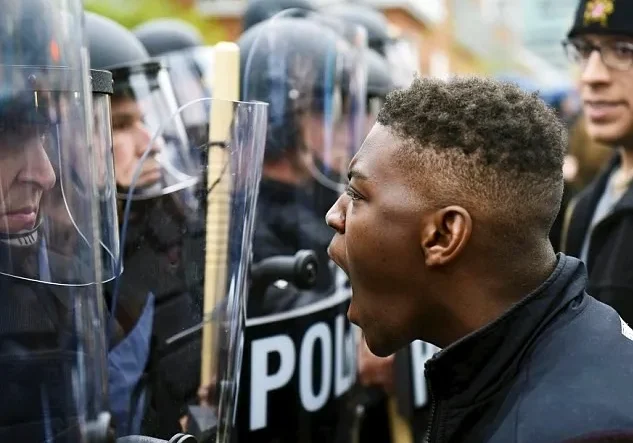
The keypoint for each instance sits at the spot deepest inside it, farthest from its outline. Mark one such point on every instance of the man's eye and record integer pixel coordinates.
(352, 194)
(622, 50)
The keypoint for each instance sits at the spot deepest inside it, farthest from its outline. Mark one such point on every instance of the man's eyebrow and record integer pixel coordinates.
(355, 173)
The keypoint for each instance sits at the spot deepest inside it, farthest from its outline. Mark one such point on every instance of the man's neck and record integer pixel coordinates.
(489, 299)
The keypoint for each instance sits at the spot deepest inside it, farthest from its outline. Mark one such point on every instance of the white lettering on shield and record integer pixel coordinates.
(334, 376)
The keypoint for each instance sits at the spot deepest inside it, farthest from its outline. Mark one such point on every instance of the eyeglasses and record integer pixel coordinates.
(614, 55)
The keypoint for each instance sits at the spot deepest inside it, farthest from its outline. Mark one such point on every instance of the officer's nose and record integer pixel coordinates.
(142, 139)
(38, 168)
(335, 217)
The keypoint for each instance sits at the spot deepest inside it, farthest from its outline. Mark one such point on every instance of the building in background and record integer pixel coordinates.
(485, 37)
(539, 26)
(447, 38)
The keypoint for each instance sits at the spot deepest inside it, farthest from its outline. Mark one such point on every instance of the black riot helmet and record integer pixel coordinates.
(259, 10)
(304, 70)
(164, 35)
(372, 20)
(399, 52)
(111, 45)
(143, 87)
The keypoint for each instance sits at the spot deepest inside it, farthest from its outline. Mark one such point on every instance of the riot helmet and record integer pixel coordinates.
(142, 107)
(259, 10)
(372, 20)
(180, 48)
(176, 249)
(398, 51)
(165, 35)
(314, 81)
(51, 249)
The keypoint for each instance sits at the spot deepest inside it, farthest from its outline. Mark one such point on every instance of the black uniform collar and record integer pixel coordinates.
(476, 366)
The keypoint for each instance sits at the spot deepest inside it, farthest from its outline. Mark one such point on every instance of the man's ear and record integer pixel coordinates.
(445, 234)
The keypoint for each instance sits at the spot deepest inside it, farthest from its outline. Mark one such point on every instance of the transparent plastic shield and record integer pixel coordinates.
(191, 251)
(318, 91)
(142, 104)
(51, 341)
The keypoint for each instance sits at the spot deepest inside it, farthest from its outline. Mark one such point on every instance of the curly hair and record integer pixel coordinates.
(483, 144)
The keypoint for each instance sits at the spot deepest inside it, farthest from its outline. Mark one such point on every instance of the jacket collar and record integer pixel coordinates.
(478, 364)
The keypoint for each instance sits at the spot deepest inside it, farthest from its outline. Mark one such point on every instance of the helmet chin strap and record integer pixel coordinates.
(24, 238)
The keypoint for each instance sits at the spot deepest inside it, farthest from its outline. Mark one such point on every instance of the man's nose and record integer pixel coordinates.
(595, 70)
(38, 167)
(335, 217)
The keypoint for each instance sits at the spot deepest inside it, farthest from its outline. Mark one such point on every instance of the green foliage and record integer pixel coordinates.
(131, 13)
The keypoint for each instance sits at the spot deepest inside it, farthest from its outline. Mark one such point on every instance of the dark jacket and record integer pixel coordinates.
(610, 255)
(555, 366)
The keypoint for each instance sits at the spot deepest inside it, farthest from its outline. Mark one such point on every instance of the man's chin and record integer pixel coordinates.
(380, 348)
(609, 135)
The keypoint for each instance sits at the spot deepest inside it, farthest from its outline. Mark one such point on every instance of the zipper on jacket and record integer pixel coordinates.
(427, 437)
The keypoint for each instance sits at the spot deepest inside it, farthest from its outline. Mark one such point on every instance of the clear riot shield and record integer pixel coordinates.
(299, 347)
(51, 338)
(186, 252)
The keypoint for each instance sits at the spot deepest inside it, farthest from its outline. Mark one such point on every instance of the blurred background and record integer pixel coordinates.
(518, 40)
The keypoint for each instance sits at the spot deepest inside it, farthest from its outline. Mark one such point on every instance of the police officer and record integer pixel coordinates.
(51, 344)
(312, 118)
(159, 299)
(310, 76)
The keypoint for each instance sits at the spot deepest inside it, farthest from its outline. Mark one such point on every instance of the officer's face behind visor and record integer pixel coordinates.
(131, 137)
(26, 174)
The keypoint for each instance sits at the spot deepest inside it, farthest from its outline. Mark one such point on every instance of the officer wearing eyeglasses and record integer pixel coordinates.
(599, 222)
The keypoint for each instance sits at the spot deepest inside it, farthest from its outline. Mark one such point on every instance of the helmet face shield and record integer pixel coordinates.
(316, 92)
(47, 184)
(144, 118)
